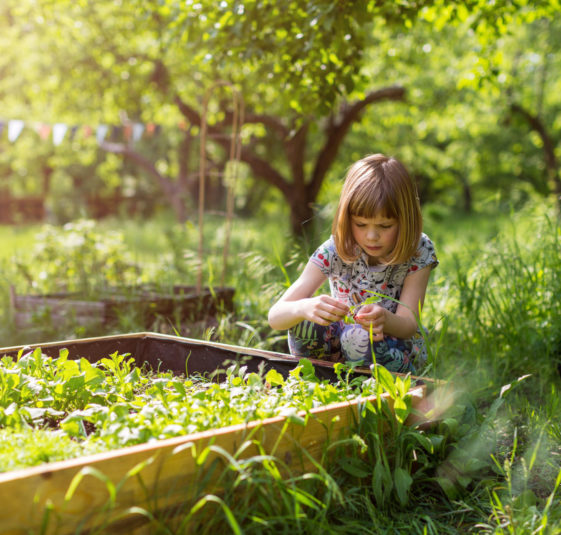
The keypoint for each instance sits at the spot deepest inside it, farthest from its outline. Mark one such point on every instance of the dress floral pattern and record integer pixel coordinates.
(353, 283)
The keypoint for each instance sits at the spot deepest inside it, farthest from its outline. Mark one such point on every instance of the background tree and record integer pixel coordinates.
(304, 71)
(457, 132)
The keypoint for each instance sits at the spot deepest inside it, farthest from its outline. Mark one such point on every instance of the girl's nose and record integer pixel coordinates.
(373, 234)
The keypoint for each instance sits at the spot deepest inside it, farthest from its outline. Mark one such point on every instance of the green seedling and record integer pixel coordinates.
(353, 311)
(112, 403)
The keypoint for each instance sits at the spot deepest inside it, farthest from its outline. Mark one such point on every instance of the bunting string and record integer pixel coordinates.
(58, 132)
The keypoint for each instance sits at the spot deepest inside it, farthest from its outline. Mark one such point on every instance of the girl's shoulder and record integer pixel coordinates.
(325, 256)
(425, 243)
(425, 254)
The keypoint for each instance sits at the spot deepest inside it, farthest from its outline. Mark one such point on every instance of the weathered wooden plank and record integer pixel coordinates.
(114, 341)
(28, 302)
(171, 469)
(107, 307)
(24, 320)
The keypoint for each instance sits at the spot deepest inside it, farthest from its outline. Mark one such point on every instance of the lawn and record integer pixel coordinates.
(495, 321)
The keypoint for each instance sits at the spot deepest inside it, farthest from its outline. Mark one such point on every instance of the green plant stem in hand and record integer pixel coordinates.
(350, 317)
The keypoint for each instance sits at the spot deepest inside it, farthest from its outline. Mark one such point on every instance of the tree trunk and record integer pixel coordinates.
(466, 191)
(46, 183)
(551, 165)
(301, 213)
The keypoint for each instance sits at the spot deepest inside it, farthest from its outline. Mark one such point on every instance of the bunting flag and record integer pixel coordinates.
(131, 132)
(101, 133)
(59, 131)
(137, 131)
(14, 129)
(44, 131)
(72, 134)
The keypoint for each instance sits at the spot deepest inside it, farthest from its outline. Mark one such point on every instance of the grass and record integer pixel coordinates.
(494, 300)
(504, 323)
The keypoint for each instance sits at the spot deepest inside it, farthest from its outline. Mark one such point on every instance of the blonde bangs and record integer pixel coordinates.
(373, 198)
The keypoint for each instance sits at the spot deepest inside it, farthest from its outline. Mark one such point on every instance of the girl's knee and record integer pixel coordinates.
(355, 343)
(390, 352)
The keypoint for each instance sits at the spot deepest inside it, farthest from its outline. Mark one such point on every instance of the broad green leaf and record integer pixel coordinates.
(403, 481)
(382, 483)
(386, 379)
(274, 378)
(308, 370)
(401, 409)
(354, 466)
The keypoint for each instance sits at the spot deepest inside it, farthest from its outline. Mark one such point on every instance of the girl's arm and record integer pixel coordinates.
(402, 323)
(297, 303)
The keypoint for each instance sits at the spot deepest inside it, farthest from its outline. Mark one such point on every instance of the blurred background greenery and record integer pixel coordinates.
(100, 154)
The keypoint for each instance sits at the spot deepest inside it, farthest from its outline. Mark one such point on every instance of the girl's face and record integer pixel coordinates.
(376, 236)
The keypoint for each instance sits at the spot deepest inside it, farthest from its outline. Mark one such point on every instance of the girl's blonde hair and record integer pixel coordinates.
(378, 185)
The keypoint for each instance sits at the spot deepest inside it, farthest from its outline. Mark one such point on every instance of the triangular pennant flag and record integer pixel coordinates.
(88, 131)
(15, 126)
(44, 131)
(59, 131)
(150, 128)
(137, 131)
(127, 132)
(2, 124)
(102, 130)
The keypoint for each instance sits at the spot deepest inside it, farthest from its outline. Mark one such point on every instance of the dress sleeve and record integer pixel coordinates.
(323, 256)
(425, 255)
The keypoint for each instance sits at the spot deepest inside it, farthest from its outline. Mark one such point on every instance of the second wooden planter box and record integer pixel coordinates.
(180, 303)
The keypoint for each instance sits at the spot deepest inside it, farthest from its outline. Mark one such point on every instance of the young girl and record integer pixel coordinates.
(376, 246)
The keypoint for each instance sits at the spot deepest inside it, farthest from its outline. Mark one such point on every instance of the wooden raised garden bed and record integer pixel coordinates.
(171, 470)
(146, 304)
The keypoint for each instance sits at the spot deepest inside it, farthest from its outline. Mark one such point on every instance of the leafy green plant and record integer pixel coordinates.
(114, 403)
(377, 455)
(77, 258)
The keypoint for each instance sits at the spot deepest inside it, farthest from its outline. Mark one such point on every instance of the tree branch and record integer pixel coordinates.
(120, 148)
(536, 124)
(338, 128)
(259, 166)
(272, 123)
(295, 149)
(266, 171)
(548, 147)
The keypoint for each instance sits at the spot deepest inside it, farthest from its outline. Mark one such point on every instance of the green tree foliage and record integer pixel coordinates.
(459, 133)
(305, 71)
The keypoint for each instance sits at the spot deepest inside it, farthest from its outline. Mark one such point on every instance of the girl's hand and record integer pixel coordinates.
(372, 315)
(324, 309)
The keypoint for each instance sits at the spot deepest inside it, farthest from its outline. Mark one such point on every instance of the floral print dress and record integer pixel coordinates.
(353, 283)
